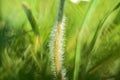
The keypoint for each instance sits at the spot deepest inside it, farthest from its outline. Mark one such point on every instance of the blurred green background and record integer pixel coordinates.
(92, 40)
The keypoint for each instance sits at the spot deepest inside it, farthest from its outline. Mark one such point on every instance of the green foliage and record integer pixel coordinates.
(92, 39)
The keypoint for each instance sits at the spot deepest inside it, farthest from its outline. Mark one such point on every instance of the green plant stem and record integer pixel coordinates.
(79, 44)
(31, 18)
(60, 10)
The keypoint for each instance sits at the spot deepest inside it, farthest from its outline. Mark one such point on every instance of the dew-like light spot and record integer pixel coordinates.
(77, 1)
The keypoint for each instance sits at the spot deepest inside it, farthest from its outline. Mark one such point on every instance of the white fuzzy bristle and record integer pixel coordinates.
(57, 47)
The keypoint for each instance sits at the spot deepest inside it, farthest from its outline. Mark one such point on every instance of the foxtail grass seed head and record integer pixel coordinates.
(31, 18)
(57, 48)
(25, 4)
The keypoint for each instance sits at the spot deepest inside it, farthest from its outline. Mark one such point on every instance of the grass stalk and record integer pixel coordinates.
(31, 18)
(56, 44)
(35, 30)
(79, 43)
(0, 10)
